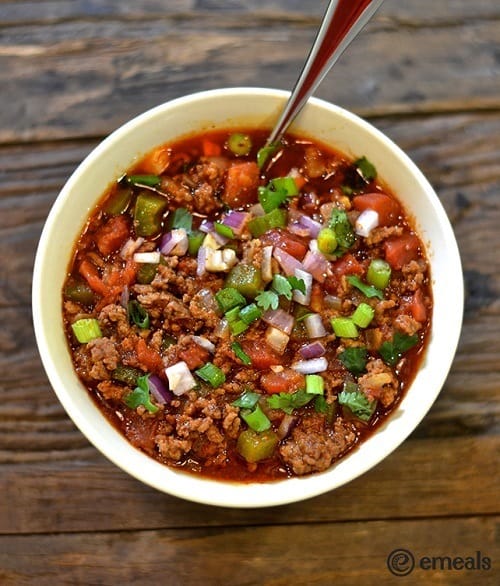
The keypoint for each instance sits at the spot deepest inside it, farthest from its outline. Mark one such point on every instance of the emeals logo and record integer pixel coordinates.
(402, 562)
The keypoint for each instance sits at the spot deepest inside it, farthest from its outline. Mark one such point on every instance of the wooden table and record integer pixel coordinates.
(428, 74)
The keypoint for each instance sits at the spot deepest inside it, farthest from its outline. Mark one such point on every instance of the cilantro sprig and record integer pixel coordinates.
(287, 402)
(140, 395)
(392, 350)
(356, 401)
(280, 285)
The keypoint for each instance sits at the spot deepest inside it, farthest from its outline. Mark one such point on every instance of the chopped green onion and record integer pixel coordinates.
(366, 169)
(149, 180)
(233, 314)
(276, 192)
(228, 298)
(344, 327)
(223, 230)
(247, 400)
(140, 395)
(315, 385)
(363, 315)
(137, 314)
(354, 359)
(86, 329)
(261, 224)
(195, 240)
(264, 153)
(367, 290)
(238, 327)
(286, 184)
(379, 273)
(240, 144)
(250, 313)
(241, 354)
(327, 240)
(211, 374)
(256, 419)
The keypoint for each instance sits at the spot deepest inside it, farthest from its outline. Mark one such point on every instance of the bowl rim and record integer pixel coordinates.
(202, 489)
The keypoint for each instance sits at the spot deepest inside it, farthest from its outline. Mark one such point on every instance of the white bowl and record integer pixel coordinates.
(229, 108)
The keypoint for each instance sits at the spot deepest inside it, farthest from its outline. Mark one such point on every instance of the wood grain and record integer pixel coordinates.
(321, 554)
(96, 67)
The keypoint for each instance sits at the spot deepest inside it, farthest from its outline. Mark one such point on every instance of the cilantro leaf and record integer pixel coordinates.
(287, 402)
(247, 400)
(339, 223)
(357, 402)
(392, 350)
(354, 359)
(282, 286)
(140, 395)
(298, 284)
(181, 218)
(367, 290)
(267, 300)
(366, 169)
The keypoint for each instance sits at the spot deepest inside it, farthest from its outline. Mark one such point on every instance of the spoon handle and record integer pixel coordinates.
(342, 22)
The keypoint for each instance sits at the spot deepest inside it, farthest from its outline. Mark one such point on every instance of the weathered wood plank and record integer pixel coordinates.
(92, 75)
(429, 474)
(347, 553)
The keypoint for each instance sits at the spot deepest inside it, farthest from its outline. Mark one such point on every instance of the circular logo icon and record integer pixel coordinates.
(400, 562)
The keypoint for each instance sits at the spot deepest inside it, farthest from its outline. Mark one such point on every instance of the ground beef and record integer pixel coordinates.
(380, 234)
(313, 446)
(406, 324)
(379, 382)
(112, 391)
(113, 318)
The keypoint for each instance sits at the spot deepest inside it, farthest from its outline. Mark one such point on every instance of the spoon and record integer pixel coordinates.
(341, 23)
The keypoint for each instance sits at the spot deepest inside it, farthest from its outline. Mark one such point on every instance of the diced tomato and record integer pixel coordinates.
(401, 250)
(210, 148)
(242, 181)
(261, 354)
(121, 277)
(387, 208)
(317, 298)
(194, 356)
(348, 264)
(156, 162)
(288, 242)
(417, 306)
(112, 234)
(90, 273)
(286, 381)
(148, 358)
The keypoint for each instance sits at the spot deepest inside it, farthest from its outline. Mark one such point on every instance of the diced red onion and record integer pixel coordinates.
(236, 221)
(175, 242)
(180, 379)
(204, 343)
(311, 366)
(266, 266)
(257, 210)
(316, 264)
(287, 262)
(298, 296)
(314, 326)
(152, 257)
(286, 426)
(205, 299)
(332, 301)
(130, 247)
(201, 258)
(299, 229)
(206, 226)
(313, 226)
(366, 222)
(312, 350)
(221, 330)
(159, 390)
(125, 296)
(280, 319)
(277, 339)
